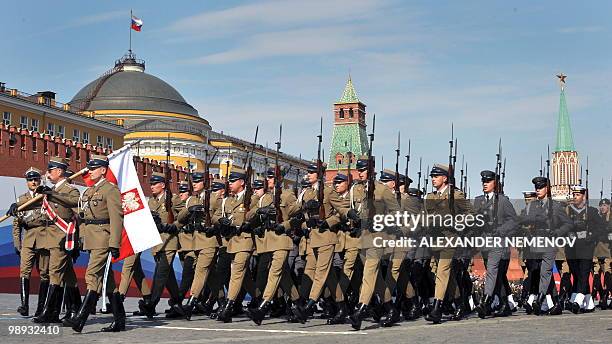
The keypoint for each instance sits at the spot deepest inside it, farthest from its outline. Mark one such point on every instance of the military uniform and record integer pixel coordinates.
(27, 225)
(101, 216)
(602, 262)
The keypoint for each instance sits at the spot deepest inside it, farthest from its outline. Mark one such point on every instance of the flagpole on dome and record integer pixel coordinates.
(130, 50)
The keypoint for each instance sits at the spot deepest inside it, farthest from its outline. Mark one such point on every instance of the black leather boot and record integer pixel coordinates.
(68, 302)
(435, 315)
(537, 304)
(301, 311)
(391, 317)
(278, 307)
(42, 297)
(484, 307)
(259, 313)
(415, 311)
(176, 310)
(226, 313)
(460, 310)
(557, 309)
(78, 321)
(118, 323)
(340, 316)
(48, 310)
(504, 310)
(189, 307)
(24, 309)
(57, 306)
(73, 303)
(357, 317)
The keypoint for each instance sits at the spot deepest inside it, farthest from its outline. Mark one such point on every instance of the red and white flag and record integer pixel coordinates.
(136, 23)
(139, 229)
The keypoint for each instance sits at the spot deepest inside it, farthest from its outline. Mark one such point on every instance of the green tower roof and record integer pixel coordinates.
(565, 140)
(349, 95)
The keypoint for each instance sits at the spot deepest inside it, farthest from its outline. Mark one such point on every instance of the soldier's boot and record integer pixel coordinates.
(357, 317)
(42, 297)
(484, 307)
(527, 306)
(226, 313)
(92, 311)
(607, 290)
(118, 323)
(392, 315)
(301, 311)
(57, 306)
(405, 307)
(557, 308)
(207, 307)
(189, 307)
(340, 316)
(24, 309)
(141, 306)
(537, 304)
(215, 313)
(460, 310)
(259, 313)
(78, 321)
(328, 306)
(291, 317)
(416, 311)
(147, 306)
(47, 314)
(435, 315)
(73, 303)
(504, 310)
(68, 299)
(376, 310)
(278, 307)
(176, 310)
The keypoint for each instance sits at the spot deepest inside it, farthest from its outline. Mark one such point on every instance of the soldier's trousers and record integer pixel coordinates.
(239, 270)
(348, 268)
(324, 274)
(261, 275)
(205, 264)
(279, 275)
(70, 278)
(372, 278)
(544, 261)
(309, 272)
(30, 256)
(220, 278)
(581, 269)
(94, 275)
(496, 268)
(164, 276)
(132, 269)
(443, 272)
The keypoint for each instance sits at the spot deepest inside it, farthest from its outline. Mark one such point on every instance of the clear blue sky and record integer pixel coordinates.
(489, 67)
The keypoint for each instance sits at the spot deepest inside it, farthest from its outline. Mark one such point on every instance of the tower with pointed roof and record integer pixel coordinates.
(565, 164)
(349, 139)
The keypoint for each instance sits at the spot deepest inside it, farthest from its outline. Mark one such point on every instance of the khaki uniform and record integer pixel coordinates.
(240, 246)
(278, 246)
(436, 203)
(319, 264)
(101, 227)
(27, 226)
(205, 247)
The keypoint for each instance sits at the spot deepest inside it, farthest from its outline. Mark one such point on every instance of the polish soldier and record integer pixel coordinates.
(186, 236)
(323, 238)
(165, 252)
(27, 225)
(233, 225)
(206, 240)
(498, 258)
(277, 243)
(58, 205)
(222, 269)
(101, 216)
(437, 203)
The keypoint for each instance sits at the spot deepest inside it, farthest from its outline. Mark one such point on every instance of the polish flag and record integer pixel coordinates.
(139, 229)
(136, 24)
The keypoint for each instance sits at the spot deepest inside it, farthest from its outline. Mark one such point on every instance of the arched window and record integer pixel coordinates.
(350, 157)
(341, 113)
(351, 115)
(339, 158)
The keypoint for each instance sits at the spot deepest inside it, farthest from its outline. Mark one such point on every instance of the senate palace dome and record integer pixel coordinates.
(153, 110)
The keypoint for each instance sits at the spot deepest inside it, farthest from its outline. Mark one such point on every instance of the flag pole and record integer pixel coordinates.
(130, 32)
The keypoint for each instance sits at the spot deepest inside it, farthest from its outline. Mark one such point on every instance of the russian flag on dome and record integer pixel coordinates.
(136, 23)
(139, 229)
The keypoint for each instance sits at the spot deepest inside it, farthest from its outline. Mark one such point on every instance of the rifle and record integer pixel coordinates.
(207, 219)
(406, 178)
(498, 166)
(465, 179)
(426, 182)
(168, 194)
(371, 178)
(461, 177)
(451, 172)
(188, 177)
(549, 191)
(419, 174)
(503, 177)
(226, 188)
(249, 173)
(398, 196)
(278, 179)
(320, 174)
(349, 176)
(541, 168)
(586, 210)
(297, 179)
(266, 162)
(601, 192)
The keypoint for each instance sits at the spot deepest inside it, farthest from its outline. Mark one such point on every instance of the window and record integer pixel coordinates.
(339, 157)
(23, 122)
(341, 113)
(351, 113)
(60, 131)
(85, 137)
(51, 129)
(34, 125)
(193, 151)
(176, 149)
(99, 141)
(109, 143)
(6, 118)
(76, 135)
